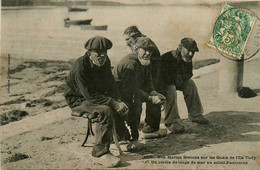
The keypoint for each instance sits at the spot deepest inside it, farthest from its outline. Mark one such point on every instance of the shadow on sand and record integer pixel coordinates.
(225, 126)
(52, 146)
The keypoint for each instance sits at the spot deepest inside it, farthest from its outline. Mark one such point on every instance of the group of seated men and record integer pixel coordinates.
(142, 76)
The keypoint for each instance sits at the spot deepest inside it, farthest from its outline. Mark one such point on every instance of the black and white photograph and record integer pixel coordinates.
(130, 84)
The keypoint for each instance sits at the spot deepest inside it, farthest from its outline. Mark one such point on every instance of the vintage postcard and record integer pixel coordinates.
(165, 84)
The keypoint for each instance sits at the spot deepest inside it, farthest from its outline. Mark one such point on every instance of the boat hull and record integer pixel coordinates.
(93, 27)
(73, 9)
(78, 22)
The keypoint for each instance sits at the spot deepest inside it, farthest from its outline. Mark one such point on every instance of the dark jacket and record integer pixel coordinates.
(133, 78)
(89, 82)
(174, 71)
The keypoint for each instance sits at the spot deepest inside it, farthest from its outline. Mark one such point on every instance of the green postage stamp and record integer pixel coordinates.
(231, 31)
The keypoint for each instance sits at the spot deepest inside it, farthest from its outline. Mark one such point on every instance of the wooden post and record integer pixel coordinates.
(230, 76)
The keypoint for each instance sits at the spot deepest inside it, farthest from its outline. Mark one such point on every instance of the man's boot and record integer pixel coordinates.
(176, 127)
(199, 119)
(108, 160)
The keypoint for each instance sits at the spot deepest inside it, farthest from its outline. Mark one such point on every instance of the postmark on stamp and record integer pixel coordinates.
(231, 31)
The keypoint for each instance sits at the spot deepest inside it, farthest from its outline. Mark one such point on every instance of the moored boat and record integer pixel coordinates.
(77, 22)
(93, 27)
(76, 9)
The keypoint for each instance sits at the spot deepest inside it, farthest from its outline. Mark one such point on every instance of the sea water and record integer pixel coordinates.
(40, 33)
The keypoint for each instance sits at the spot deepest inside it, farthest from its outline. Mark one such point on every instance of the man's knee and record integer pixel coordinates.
(105, 113)
(189, 85)
(106, 110)
(190, 88)
(191, 82)
(171, 93)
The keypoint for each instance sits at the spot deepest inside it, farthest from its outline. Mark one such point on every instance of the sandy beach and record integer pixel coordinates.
(233, 129)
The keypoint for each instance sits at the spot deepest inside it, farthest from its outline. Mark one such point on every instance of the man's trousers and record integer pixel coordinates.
(103, 130)
(191, 97)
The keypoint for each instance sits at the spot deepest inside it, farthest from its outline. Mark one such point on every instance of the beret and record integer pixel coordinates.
(145, 43)
(133, 31)
(190, 44)
(98, 43)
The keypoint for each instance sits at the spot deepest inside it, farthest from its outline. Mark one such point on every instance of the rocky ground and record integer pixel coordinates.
(37, 86)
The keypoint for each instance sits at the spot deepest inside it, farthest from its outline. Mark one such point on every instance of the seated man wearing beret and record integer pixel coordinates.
(93, 92)
(153, 111)
(134, 79)
(176, 73)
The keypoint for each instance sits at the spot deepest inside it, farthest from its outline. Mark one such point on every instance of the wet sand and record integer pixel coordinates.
(35, 87)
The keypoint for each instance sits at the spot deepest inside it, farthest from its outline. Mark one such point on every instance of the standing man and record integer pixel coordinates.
(176, 73)
(93, 92)
(153, 112)
(134, 79)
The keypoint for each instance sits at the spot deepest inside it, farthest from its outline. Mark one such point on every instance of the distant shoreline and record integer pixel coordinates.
(27, 7)
(107, 4)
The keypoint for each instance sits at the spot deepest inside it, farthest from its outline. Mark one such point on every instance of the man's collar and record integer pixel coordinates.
(176, 54)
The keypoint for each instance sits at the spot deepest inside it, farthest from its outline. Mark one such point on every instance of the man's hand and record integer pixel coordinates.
(154, 96)
(121, 108)
(161, 97)
(95, 117)
(155, 99)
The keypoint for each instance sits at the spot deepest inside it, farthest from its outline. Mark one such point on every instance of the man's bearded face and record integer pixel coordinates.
(144, 56)
(186, 54)
(98, 58)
